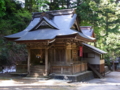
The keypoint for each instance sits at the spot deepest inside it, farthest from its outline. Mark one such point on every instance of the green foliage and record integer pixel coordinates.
(104, 16)
(2, 8)
(44, 5)
(15, 20)
(20, 20)
(3, 60)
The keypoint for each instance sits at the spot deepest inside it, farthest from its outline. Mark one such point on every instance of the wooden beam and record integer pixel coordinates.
(46, 62)
(66, 56)
(54, 56)
(28, 62)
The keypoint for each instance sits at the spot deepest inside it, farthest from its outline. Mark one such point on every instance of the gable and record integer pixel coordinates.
(74, 26)
(44, 24)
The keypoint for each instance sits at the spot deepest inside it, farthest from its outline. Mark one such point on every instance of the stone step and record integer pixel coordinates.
(37, 66)
(41, 70)
(36, 71)
(35, 75)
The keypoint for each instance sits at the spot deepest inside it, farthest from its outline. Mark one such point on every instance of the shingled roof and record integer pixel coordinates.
(49, 25)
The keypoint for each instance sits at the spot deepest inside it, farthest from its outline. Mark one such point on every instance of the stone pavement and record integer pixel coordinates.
(110, 82)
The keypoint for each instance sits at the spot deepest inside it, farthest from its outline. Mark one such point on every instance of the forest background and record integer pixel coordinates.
(102, 15)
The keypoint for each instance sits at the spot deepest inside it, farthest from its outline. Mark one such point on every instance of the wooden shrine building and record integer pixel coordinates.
(57, 45)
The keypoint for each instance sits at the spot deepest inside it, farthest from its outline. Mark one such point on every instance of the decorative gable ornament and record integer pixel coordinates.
(43, 24)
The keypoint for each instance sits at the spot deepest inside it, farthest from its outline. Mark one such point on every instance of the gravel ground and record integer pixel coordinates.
(110, 82)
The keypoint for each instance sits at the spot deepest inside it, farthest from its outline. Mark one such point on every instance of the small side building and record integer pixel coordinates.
(94, 57)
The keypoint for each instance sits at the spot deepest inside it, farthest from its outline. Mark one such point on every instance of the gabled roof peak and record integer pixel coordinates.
(45, 23)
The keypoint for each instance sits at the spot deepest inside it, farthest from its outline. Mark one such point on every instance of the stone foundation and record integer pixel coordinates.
(83, 76)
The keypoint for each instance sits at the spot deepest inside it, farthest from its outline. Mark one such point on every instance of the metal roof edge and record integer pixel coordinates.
(97, 50)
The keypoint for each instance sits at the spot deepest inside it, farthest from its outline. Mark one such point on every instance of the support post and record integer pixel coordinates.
(54, 56)
(28, 62)
(46, 62)
(66, 56)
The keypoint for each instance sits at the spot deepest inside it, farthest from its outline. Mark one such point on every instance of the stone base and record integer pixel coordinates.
(83, 76)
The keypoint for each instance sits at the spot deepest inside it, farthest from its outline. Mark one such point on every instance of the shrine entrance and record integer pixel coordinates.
(37, 56)
(37, 62)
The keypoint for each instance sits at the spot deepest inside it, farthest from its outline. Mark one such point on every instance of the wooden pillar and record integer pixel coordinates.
(46, 62)
(66, 56)
(54, 56)
(28, 62)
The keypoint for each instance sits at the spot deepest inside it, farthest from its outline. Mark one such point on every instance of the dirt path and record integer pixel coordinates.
(110, 82)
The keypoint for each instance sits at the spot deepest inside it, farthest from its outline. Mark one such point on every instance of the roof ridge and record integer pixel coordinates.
(54, 12)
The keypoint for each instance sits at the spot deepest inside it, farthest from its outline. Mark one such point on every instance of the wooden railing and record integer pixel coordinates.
(95, 71)
(69, 69)
(22, 68)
